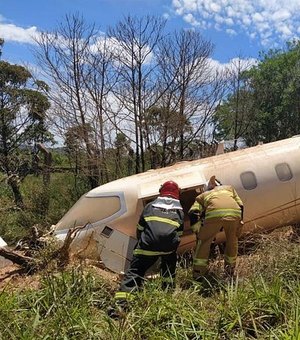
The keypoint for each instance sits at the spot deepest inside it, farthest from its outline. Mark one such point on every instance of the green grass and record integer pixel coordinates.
(262, 304)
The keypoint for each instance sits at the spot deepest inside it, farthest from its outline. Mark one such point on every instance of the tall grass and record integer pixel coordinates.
(68, 305)
(263, 303)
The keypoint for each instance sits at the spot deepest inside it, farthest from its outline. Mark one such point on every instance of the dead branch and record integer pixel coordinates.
(28, 263)
(63, 254)
(32, 264)
(79, 252)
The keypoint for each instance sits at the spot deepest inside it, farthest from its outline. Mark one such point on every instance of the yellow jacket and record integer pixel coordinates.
(221, 202)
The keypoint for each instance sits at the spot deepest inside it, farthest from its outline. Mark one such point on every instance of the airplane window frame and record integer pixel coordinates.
(245, 181)
(107, 231)
(279, 172)
(69, 221)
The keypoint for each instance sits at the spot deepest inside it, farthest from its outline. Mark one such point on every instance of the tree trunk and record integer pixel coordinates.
(14, 184)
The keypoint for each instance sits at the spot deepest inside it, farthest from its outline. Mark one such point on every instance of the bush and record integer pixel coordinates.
(42, 207)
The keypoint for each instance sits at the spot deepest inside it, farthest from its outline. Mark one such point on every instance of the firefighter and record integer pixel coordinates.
(196, 215)
(158, 233)
(222, 209)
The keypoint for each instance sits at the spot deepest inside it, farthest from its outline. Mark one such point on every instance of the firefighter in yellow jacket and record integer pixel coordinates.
(222, 208)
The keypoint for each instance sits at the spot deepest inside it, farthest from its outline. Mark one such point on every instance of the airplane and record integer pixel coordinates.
(266, 177)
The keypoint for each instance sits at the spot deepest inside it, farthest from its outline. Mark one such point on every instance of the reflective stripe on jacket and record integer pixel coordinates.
(159, 230)
(221, 202)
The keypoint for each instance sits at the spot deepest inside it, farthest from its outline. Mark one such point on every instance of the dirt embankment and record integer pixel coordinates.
(13, 276)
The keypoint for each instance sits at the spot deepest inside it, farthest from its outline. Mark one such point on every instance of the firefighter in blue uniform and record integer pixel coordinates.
(158, 233)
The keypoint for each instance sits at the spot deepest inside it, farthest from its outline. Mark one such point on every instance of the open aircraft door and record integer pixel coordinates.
(190, 183)
(189, 180)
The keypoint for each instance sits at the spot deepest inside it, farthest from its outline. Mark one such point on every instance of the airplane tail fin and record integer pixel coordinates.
(220, 148)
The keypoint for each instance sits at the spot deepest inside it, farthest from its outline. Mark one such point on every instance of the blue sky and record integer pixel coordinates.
(236, 27)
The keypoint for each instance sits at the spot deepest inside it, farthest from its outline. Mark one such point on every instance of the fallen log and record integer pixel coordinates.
(28, 263)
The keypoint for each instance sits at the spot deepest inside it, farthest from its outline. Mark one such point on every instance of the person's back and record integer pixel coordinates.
(160, 222)
(222, 208)
(221, 202)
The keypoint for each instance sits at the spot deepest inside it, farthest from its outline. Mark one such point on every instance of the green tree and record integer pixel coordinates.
(22, 123)
(276, 87)
(163, 127)
(266, 105)
(235, 117)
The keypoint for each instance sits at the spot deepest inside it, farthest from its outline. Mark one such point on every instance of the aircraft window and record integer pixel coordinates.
(283, 172)
(90, 210)
(248, 180)
(106, 231)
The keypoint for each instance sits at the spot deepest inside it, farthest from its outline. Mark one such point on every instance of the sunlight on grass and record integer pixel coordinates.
(261, 304)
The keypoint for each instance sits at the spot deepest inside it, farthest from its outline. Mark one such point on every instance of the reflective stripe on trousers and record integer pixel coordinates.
(123, 296)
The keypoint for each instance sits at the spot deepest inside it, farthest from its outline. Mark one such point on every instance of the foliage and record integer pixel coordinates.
(232, 120)
(22, 123)
(275, 84)
(63, 192)
(65, 306)
(163, 127)
(264, 303)
(269, 98)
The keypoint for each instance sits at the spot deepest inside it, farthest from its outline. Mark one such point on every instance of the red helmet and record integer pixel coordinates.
(170, 189)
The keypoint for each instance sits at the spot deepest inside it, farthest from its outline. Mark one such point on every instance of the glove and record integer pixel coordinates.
(196, 227)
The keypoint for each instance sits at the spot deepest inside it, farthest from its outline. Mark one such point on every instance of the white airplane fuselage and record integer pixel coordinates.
(266, 177)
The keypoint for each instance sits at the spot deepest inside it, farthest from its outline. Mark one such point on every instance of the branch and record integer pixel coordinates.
(28, 263)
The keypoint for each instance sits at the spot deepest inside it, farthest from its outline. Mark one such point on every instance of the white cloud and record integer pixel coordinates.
(257, 17)
(229, 21)
(191, 5)
(285, 30)
(11, 32)
(281, 15)
(190, 19)
(166, 16)
(231, 65)
(231, 31)
(277, 20)
(215, 7)
(246, 20)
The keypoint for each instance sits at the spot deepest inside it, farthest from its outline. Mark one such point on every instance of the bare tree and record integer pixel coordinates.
(235, 114)
(136, 40)
(188, 85)
(158, 91)
(77, 60)
(101, 78)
